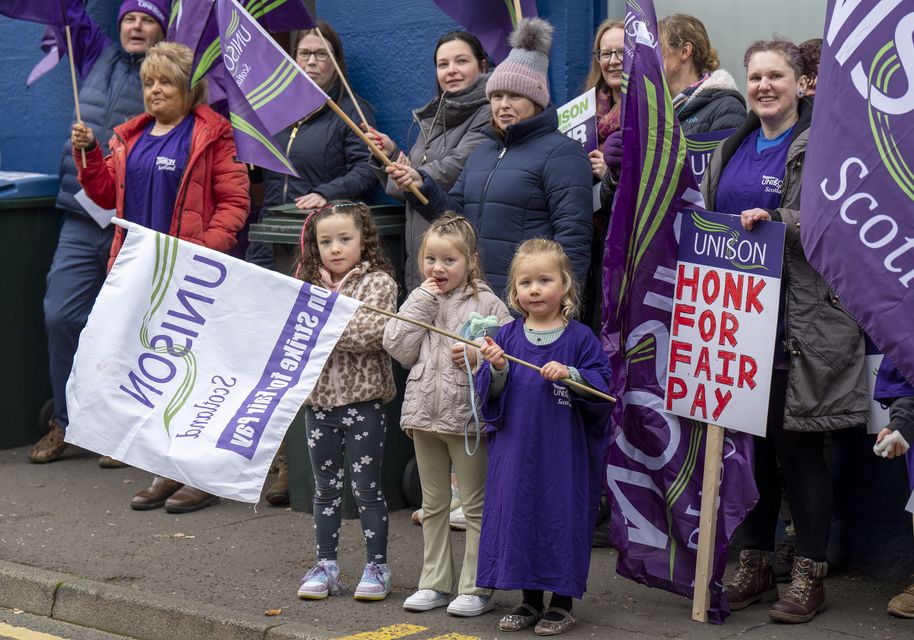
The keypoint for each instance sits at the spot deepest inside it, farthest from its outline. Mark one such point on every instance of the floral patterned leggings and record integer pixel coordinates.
(357, 430)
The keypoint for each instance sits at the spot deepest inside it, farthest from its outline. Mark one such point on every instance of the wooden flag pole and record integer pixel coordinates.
(73, 78)
(707, 532)
(342, 78)
(380, 155)
(518, 14)
(458, 338)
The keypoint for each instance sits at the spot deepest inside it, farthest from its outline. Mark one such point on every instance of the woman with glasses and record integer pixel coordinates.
(331, 161)
(606, 76)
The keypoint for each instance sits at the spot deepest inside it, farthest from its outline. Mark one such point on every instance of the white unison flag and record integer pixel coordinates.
(193, 363)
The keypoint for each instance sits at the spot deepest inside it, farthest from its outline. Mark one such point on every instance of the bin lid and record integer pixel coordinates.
(21, 185)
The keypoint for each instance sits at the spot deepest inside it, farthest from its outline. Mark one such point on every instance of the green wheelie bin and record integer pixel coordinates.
(29, 224)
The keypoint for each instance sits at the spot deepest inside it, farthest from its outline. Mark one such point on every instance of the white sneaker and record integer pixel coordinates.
(467, 606)
(425, 600)
(458, 519)
(417, 517)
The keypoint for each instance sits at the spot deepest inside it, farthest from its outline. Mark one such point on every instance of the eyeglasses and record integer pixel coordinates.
(606, 55)
(321, 55)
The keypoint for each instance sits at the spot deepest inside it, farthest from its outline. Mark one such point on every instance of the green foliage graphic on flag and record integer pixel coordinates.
(885, 64)
(163, 271)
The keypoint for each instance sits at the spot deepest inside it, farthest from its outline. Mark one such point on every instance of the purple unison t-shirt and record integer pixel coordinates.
(154, 170)
(753, 178)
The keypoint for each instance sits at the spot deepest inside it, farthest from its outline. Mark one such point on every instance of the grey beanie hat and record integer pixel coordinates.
(524, 70)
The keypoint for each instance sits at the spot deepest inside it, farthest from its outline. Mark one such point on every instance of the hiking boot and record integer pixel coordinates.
(51, 446)
(753, 582)
(805, 596)
(375, 582)
(154, 496)
(322, 580)
(278, 493)
(188, 499)
(902, 605)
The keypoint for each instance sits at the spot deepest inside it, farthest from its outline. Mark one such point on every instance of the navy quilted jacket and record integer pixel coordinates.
(109, 96)
(535, 182)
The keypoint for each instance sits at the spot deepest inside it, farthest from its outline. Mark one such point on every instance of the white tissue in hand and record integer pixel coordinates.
(882, 448)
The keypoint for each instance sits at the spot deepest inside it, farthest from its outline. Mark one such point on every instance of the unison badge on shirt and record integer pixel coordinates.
(165, 164)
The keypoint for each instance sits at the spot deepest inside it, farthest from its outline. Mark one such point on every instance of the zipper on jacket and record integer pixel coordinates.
(485, 188)
(285, 179)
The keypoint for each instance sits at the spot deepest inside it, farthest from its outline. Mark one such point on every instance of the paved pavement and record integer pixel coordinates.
(72, 549)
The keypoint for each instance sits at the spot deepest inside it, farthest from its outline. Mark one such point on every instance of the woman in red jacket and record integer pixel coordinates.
(173, 170)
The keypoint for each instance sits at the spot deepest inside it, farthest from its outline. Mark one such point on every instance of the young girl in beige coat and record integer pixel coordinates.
(437, 411)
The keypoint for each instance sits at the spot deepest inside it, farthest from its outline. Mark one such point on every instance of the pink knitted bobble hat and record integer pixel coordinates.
(524, 70)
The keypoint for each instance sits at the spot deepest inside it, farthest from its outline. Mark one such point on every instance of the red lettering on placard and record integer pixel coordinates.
(729, 325)
(699, 403)
(733, 291)
(755, 290)
(707, 325)
(704, 364)
(710, 287)
(682, 282)
(675, 390)
(724, 377)
(747, 370)
(679, 352)
(722, 399)
(682, 316)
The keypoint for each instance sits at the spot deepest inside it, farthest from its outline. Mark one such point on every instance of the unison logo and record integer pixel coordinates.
(720, 241)
(172, 345)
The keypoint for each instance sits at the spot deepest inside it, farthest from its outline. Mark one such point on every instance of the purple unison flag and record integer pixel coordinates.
(53, 12)
(492, 21)
(654, 467)
(266, 90)
(188, 20)
(51, 48)
(858, 178)
(274, 15)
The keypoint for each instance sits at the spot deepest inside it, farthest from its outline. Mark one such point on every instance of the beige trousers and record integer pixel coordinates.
(435, 453)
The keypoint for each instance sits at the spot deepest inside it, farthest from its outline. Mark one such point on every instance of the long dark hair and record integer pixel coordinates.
(472, 41)
(309, 262)
(332, 38)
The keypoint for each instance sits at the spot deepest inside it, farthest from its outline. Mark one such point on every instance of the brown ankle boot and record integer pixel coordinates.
(754, 580)
(806, 595)
(278, 493)
(51, 446)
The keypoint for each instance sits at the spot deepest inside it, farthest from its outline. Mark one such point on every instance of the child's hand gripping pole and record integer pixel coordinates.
(454, 336)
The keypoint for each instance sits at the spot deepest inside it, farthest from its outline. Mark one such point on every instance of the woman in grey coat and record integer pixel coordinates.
(446, 130)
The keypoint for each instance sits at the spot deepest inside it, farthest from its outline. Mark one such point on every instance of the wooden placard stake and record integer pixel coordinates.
(459, 338)
(380, 155)
(73, 78)
(518, 14)
(707, 532)
(339, 74)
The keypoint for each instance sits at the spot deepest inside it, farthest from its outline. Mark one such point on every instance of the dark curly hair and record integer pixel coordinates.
(372, 252)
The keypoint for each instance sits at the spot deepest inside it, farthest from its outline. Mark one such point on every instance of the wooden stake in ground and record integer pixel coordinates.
(707, 531)
(571, 383)
(73, 78)
(342, 78)
(380, 155)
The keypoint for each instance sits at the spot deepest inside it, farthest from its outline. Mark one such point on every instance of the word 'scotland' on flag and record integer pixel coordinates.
(655, 463)
(858, 179)
(193, 363)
